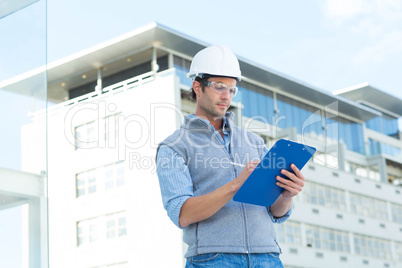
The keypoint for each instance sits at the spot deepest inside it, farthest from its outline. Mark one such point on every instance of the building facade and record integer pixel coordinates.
(112, 105)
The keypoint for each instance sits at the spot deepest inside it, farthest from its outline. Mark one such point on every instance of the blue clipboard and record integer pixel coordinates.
(260, 188)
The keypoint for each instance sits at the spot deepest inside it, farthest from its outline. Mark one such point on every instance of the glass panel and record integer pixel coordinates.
(182, 67)
(396, 211)
(257, 102)
(385, 124)
(325, 238)
(349, 132)
(398, 251)
(288, 232)
(324, 195)
(390, 150)
(389, 125)
(367, 206)
(374, 247)
(377, 147)
(23, 212)
(305, 118)
(374, 124)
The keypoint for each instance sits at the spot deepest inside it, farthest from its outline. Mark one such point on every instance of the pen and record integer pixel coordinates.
(236, 164)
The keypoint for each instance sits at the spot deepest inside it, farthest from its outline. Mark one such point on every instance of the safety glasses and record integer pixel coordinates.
(220, 87)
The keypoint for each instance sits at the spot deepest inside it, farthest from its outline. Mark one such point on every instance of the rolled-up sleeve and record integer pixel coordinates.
(281, 219)
(174, 181)
(273, 218)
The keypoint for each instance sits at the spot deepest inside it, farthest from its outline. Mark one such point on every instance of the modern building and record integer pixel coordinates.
(113, 103)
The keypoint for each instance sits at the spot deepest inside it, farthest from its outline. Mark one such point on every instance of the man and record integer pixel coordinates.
(199, 173)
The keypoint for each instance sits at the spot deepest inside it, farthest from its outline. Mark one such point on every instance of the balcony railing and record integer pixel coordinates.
(122, 86)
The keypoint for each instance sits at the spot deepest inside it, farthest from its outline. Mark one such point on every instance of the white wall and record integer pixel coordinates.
(152, 240)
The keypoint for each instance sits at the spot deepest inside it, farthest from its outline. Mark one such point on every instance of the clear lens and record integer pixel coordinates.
(222, 88)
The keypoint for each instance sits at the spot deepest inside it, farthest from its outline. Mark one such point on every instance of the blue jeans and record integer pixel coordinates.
(258, 260)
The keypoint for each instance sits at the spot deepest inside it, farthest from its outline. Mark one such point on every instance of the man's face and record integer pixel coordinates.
(212, 104)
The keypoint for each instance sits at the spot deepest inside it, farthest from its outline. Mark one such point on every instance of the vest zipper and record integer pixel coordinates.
(196, 238)
(241, 204)
(280, 250)
(245, 226)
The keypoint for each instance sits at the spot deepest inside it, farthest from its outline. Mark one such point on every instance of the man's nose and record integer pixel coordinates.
(226, 95)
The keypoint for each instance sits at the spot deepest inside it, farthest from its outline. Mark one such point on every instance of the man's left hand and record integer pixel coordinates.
(294, 185)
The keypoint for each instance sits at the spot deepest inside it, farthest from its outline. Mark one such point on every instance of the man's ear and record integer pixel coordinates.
(197, 87)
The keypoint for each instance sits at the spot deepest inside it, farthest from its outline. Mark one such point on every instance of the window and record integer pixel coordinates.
(85, 135)
(395, 179)
(288, 232)
(257, 102)
(398, 251)
(88, 135)
(369, 207)
(114, 175)
(319, 158)
(101, 228)
(351, 133)
(87, 231)
(322, 195)
(111, 129)
(363, 171)
(389, 125)
(81, 90)
(116, 225)
(384, 124)
(182, 67)
(377, 147)
(326, 159)
(373, 174)
(372, 247)
(328, 239)
(86, 183)
(396, 211)
(100, 179)
(306, 118)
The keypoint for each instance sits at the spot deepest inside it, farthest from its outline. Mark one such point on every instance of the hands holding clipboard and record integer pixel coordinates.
(262, 186)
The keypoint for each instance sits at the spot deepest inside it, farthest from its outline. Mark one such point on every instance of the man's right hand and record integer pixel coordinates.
(247, 170)
(199, 208)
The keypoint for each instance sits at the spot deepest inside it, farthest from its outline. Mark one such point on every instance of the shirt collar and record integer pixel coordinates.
(225, 123)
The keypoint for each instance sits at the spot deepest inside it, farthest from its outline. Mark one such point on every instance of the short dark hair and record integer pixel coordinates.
(198, 79)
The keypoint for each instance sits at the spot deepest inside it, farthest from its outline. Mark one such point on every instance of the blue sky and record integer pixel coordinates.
(329, 44)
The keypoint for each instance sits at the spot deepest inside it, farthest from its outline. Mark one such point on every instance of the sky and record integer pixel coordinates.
(328, 44)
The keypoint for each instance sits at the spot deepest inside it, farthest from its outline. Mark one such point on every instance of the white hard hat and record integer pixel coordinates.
(215, 60)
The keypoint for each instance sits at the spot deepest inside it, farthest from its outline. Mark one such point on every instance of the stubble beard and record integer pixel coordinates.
(212, 110)
(218, 113)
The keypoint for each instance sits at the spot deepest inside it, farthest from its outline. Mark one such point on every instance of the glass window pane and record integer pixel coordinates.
(122, 231)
